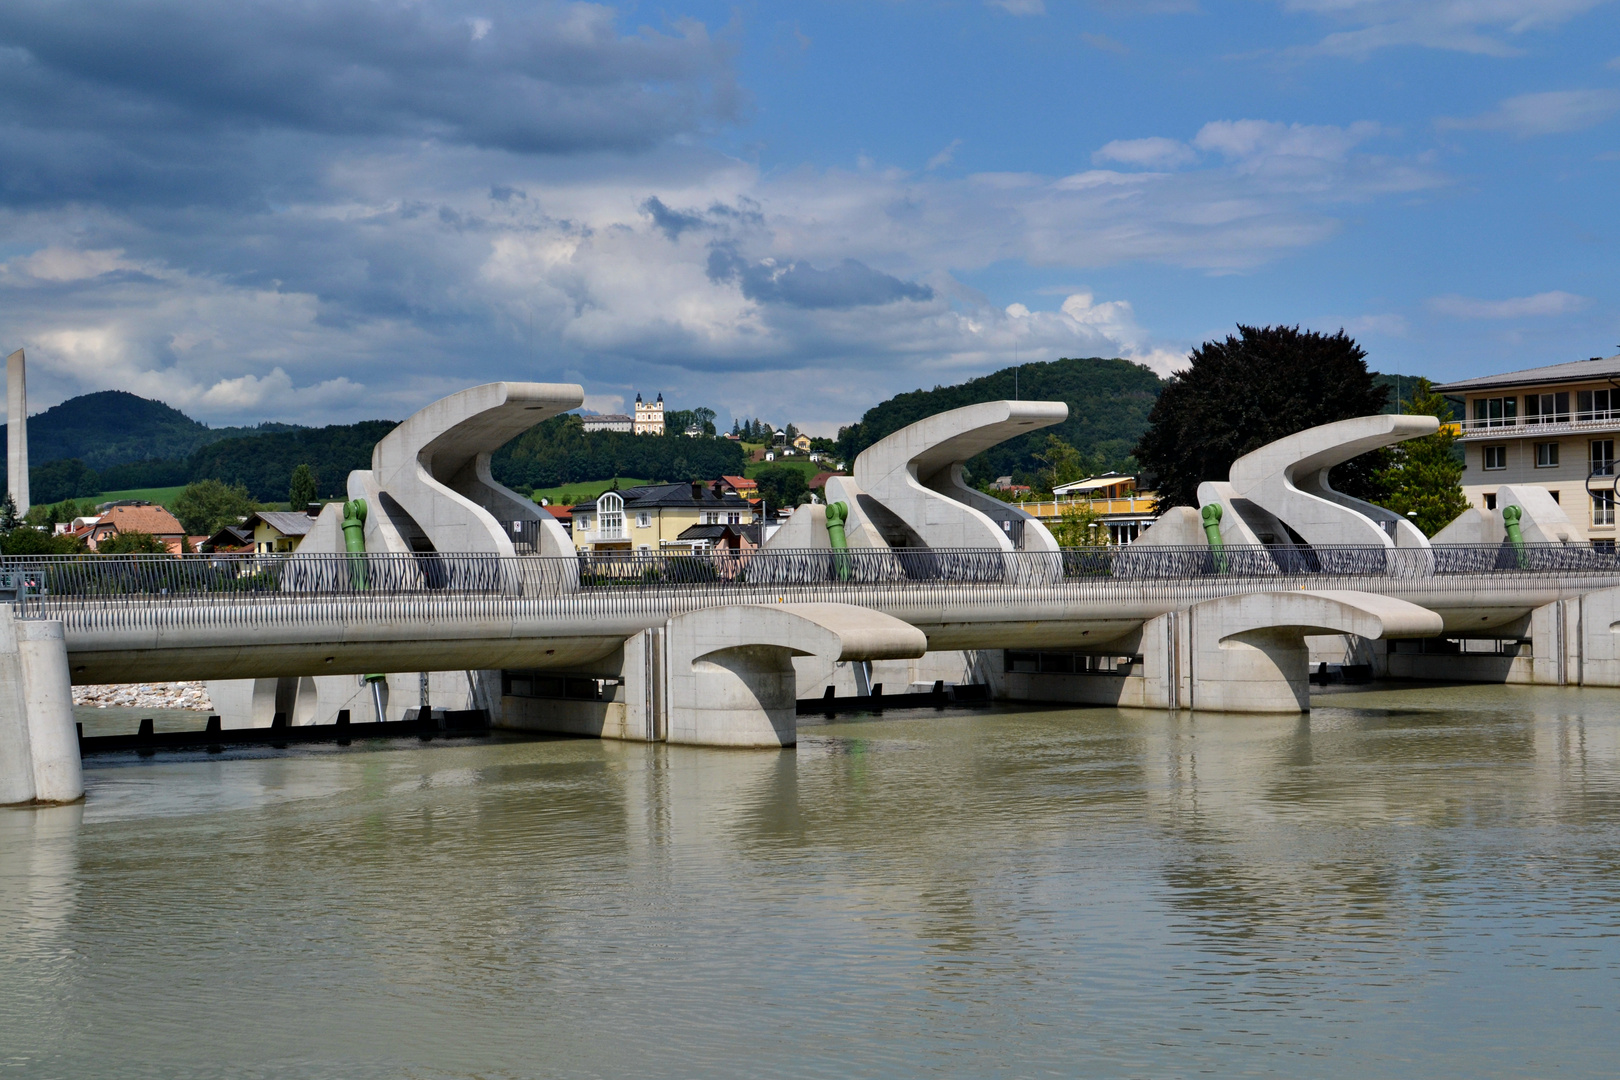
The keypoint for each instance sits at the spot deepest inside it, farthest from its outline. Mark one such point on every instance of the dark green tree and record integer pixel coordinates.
(8, 515)
(1252, 389)
(30, 541)
(209, 505)
(303, 490)
(781, 487)
(1424, 476)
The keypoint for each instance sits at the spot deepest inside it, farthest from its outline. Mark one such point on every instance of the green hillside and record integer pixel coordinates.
(116, 428)
(559, 452)
(1108, 404)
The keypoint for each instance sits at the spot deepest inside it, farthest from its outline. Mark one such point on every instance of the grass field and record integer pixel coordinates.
(163, 496)
(584, 491)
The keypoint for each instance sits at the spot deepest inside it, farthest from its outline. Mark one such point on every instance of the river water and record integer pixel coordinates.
(1413, 882)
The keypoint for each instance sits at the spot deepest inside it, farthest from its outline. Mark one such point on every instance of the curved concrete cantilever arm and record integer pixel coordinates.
(833, 631)
(1324, 611)
(1289, 478)
(436, 465)
(917, 473)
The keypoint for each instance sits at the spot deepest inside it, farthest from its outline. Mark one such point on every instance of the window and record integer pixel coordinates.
(1490, 501)
(643, 519)
(1602, 508)
(734, 517)
(1596, 404)
(1496, 411)
(1546, 455)
(711, 517)
(610, 516)
(1602, 459)
(1555, 493)
(1546, 408)
(1496, 457)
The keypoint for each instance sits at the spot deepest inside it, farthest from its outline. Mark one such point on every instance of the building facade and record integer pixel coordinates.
(654, 517)
(649, 418)
(1555, 427)
(609, 422)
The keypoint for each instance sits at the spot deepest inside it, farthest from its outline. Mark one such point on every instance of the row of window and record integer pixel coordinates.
(1600, 458)
(1602, 505)
(1548, 408)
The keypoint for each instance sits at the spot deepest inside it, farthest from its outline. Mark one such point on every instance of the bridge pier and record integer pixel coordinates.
(39, 743)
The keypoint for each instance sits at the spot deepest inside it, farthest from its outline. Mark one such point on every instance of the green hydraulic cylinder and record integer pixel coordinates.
(837, 514)
(354, 539)
(1515, 535)
(1212, 532)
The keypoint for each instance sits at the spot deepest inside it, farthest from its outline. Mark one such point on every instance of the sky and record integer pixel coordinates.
(321, 211)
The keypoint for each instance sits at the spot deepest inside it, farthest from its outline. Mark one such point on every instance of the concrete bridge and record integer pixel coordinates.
(433, 566)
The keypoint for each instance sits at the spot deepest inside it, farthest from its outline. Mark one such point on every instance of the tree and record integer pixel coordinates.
(1242, 393)
(1079, 526)
(304, 489)
(1063, 463)
(207, 506)
(1424, 476)
(782, 487)
(8, 515)
(133, 542)
(29, 541)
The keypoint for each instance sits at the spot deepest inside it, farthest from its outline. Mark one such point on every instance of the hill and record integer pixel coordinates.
(1108, 401)
(558, 451)
(118, 428)
(264, 463)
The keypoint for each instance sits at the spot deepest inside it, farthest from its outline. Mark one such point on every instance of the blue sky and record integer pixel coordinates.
(324, 212)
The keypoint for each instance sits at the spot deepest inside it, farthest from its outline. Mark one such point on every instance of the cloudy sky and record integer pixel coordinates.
(329, 210)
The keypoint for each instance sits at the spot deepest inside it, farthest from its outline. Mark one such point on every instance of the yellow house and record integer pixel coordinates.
(802, 444)
(659, 517)
(277, 530)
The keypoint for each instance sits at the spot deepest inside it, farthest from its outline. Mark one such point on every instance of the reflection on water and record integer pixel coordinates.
(1417, 882)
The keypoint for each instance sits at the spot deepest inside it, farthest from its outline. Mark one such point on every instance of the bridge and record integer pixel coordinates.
(432, 566)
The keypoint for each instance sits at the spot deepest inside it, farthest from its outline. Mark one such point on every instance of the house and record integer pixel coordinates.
(722, 537)
(228, 539)
(802, 444)
(742, 485)
(563, 514)
(819, 481)
(1554, 427)
(654, 517)
(137, 517)
(277, 530)
(1110, 485)
(609, 422)
(649, 418)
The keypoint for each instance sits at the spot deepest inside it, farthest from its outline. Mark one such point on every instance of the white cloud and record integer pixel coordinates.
(60, 264)
(1155, 152)
(1487, 27)
(945, 156)
(1552, 112)
(1385, 325)
(1547, 303)
(1019, 7)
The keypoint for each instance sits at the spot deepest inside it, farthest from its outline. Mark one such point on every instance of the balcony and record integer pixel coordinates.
(1527, 427)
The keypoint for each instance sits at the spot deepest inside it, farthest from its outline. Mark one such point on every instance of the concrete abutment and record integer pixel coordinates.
(39, 742)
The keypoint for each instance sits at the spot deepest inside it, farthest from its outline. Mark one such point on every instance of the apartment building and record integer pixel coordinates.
(1555, 427)
(658, 517)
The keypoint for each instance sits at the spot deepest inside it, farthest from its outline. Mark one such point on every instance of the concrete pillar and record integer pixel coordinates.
(746, 695)
(1556, 641)
(39, 742)
(48, 689)
(16, 748)
(17, 430)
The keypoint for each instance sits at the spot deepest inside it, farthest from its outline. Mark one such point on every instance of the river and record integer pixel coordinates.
(1414, 882)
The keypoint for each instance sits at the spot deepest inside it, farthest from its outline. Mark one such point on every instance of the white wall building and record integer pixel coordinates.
(649, 418)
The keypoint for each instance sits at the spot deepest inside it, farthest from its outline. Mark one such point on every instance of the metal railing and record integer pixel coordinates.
(247, 576)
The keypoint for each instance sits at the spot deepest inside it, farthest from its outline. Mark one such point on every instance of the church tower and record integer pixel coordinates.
(650, 418)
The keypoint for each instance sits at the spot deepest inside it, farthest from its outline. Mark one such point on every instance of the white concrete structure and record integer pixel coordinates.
(17, 430)
(1287, 482)
(39, 743)
(435, 467)
(731, 676)
(1543, 520)
(916, 473)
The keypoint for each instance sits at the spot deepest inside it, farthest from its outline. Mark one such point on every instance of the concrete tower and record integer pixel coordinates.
(17, 430)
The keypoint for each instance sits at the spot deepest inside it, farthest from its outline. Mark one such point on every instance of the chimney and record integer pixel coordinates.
(697, 491)
(17, 430)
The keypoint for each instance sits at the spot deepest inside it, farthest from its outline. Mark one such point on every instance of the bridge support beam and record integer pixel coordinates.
(39, 743)
(731, 675)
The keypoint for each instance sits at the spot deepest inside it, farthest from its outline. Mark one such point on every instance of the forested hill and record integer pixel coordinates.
(115, 428)
(559, 451)
(1108, 401)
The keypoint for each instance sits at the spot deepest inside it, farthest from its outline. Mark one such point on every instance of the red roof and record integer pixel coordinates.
(561, 513)
(740, 484)
(146, 519)
(821, 478)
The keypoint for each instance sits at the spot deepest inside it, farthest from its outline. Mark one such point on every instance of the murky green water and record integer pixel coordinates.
(1414, 883)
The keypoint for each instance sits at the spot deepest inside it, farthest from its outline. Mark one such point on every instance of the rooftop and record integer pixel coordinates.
(1593, 370)
(147, 519)
(679, 495)
(286, 522)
